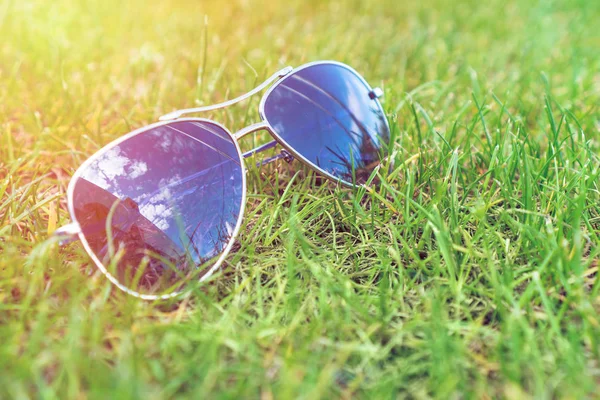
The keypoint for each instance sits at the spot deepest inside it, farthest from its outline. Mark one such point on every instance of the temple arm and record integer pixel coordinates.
(67, 233)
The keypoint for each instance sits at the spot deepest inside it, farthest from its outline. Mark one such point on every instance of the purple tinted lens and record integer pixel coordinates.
(326, 114)
(159, 208)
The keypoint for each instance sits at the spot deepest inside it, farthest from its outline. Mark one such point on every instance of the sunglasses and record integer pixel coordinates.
(158, 209)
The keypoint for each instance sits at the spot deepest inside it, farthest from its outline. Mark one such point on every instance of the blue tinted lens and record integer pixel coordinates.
(326, 114)
(160, 207)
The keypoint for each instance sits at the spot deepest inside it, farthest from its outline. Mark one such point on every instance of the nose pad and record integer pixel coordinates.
(287, 156)
(375, 93)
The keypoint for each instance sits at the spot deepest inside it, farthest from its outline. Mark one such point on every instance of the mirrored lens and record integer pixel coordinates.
(326, 114)
(159, 208)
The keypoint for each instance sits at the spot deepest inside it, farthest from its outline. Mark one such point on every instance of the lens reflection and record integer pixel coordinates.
(160, 207)
(326, 114)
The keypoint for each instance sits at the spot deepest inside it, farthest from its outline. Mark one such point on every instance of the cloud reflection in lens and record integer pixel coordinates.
(158, 208)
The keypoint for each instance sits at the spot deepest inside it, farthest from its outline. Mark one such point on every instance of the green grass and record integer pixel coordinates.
(472, 271)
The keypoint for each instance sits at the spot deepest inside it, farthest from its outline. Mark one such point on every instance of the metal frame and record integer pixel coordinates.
(70, 232)
(271, 79)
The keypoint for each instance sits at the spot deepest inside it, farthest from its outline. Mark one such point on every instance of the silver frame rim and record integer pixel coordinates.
(285, 145)
(104, 149)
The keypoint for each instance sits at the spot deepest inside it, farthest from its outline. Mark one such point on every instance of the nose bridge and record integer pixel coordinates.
(177, 114)
(259, 126)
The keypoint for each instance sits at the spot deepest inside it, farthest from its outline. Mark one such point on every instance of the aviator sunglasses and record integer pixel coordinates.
(159, 208)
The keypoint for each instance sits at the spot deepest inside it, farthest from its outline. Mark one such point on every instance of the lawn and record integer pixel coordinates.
(471, 271)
